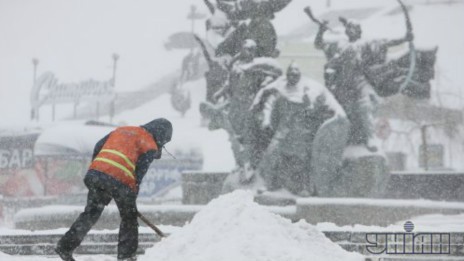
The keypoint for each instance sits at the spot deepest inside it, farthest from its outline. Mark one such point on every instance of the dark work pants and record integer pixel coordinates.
(100, 194)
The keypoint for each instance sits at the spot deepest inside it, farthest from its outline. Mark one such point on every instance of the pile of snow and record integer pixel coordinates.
(234, 227)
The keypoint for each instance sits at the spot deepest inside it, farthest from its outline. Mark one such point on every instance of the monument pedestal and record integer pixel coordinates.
(199, 188)
(365, 176)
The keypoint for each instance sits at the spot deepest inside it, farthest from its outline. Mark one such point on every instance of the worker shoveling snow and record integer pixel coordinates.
(233, 227)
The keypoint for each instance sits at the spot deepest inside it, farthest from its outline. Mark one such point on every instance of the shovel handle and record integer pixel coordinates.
(151, 225)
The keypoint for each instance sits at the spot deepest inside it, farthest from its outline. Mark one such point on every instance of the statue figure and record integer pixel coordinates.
(218, 73)
(260, 30)
(245, 9)
(358, 73)
(345, 76)
(247, 75)
(293, 111)
(244, 19)
(231, 23)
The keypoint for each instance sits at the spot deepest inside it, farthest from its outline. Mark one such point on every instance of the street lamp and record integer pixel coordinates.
(35, 62)
(35, 108)
(115, 60)
(113, 100)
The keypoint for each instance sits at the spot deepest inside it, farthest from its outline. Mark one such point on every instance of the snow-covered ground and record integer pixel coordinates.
(233, 227)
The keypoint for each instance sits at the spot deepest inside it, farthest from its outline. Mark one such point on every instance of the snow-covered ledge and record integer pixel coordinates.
(59, 216)
(378, 212)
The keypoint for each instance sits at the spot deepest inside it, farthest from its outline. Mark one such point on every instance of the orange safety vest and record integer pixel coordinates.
(120, 153)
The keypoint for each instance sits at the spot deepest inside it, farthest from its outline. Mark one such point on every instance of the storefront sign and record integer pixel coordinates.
(47, 90)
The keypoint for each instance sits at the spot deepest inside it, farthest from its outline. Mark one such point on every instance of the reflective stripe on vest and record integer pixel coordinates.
(120, 154)
(117, 165)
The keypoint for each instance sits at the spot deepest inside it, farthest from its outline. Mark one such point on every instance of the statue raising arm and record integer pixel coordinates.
(319, 40)
(329, 48)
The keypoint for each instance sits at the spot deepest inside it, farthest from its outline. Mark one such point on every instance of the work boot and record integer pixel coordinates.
(65, 255)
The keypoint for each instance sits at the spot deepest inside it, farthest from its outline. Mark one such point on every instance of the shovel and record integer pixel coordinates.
(151, 225)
